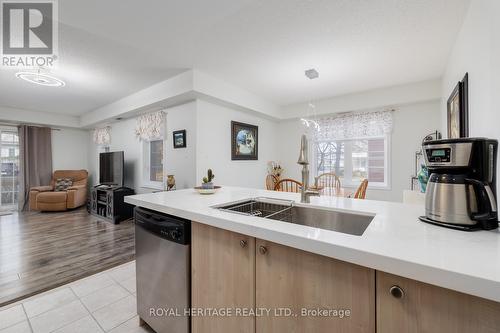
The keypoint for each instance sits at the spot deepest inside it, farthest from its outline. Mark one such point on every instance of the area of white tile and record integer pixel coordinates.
(22, 327)
(102, 302)
(11, 315)
(91, 284)
(129, 284)
(116, 313)
(123, 272)
(48, 301)
(84, 325)
(131, 326)
(104, 297)
(59, 317)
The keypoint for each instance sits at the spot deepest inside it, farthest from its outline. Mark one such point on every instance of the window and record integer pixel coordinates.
(354, 160)
(156, 161)
(354, 146)
(9, 168)
(153, 158)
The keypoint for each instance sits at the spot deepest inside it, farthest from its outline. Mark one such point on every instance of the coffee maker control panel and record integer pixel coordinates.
(439, 155)
(447, 154)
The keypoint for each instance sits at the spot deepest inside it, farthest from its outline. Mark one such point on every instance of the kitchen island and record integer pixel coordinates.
(398, 265)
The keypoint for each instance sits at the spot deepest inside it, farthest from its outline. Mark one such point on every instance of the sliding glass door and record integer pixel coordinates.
(9, 168)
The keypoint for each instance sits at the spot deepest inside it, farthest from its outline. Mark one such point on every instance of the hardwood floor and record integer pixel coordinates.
(41, 251)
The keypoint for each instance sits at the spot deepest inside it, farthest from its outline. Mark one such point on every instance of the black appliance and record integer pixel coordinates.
(461, 192)
(111, 165)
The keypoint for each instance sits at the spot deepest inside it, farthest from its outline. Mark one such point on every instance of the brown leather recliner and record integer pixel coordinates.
(44, 198)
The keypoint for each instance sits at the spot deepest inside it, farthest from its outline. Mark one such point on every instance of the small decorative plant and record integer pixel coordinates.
(207, 181)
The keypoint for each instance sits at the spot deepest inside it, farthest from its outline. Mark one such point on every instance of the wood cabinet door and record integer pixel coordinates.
(417, 307)
(223, 276)
(293, 279)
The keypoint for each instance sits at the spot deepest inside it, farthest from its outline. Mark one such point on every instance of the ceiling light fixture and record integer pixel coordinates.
(41, 79)
(309, 121)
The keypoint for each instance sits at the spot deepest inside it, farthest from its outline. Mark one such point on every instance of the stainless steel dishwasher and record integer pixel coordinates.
(163, 262)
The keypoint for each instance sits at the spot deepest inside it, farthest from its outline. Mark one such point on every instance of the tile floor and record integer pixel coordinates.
(104, 302)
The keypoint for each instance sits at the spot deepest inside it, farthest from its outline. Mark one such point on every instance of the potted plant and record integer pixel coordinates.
(207, 181)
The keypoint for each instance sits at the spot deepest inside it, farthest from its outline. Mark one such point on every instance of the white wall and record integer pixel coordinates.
(70, 149)
(122, 138)
(411, 124)
(214, 146)
(179, 89)
(208, 136)
(21, 116)
(405, 94)
(477, 51)
(180, 162)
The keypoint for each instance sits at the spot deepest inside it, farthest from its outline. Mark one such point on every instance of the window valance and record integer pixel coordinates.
(102, 136)
(355, 125)
(151, 126)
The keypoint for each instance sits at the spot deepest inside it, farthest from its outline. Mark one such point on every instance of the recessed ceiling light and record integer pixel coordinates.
(41, 79)
(312, 73)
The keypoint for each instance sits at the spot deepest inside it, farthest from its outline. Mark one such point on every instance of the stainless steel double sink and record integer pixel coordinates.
(286, 211)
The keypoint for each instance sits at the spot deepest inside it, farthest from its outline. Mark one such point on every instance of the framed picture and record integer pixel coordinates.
(180, 139)
(458, 110)
(244, 141)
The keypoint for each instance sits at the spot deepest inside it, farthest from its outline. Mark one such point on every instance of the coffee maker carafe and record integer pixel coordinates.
(461, 192)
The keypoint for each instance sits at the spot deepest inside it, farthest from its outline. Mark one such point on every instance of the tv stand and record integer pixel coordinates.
(108, 202)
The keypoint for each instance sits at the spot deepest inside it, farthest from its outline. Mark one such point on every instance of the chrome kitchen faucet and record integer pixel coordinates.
(305, 192)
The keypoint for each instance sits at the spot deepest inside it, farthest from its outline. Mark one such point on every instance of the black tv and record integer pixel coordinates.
(111, 168)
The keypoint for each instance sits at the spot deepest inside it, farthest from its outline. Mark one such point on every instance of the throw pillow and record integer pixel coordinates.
(62, 184)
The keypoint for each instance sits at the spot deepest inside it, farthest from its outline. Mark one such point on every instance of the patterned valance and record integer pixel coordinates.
(102, 136)
(151, 126)
(354, 125)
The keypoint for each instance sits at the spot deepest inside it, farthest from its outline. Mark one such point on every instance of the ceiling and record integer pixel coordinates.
(109, 49)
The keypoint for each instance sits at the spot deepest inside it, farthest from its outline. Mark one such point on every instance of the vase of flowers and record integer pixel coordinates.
(275, 169)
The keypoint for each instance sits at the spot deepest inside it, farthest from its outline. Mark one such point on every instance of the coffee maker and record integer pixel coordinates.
(461, 192)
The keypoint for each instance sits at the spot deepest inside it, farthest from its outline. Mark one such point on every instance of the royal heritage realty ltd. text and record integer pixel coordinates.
(250, 312)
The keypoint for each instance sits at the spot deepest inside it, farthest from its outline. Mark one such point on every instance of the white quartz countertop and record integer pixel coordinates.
(395, 241)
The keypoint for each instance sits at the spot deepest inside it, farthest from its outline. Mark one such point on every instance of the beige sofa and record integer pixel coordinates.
(44, 198)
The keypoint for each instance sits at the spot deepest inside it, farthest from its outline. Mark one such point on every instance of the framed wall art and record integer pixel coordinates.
(244, 141)
(458, 110)
(180, 139)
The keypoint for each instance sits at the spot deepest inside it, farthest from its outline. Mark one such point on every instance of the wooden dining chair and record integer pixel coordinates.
(361, 191)
(288, 185)
(329, 183)
(329, 179)
(271, 181)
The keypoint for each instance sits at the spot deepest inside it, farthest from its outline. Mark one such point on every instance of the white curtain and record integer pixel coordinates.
(354, 125)
(102, 136)
(151, 126)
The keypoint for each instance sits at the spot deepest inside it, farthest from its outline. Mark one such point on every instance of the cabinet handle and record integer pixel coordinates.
(243, 243)
(397, 292)
(262, 249)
